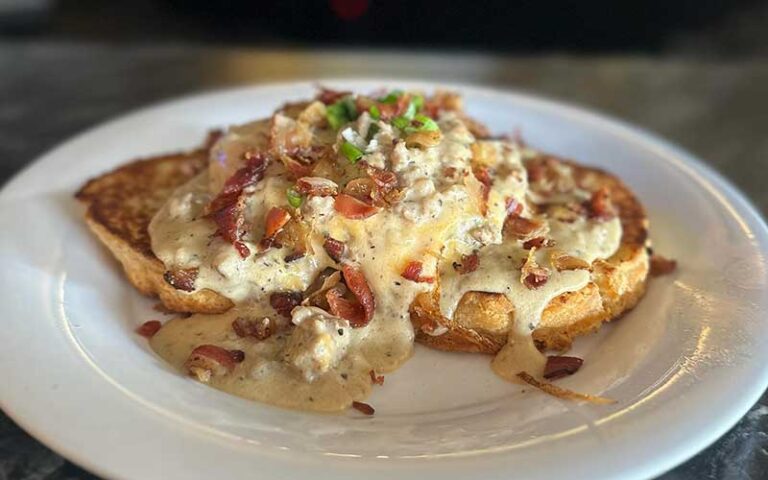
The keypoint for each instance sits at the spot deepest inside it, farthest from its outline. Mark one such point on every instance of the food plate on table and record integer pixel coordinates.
(455, 197)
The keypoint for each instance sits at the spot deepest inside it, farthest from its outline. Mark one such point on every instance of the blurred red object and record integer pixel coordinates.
(349, 9)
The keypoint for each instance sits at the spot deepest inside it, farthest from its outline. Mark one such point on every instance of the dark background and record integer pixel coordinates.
(685, 27)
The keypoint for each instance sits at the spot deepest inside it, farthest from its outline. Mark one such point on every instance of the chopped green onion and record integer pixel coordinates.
(294, 198)
(373, 129)
(401, 122)
(341, 112)
(375, 112)
(425, 124)
(391, 97)
(410, 112)
(418, 101)
(350, 151)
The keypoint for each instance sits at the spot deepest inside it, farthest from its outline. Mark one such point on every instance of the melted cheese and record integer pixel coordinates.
(321, 363)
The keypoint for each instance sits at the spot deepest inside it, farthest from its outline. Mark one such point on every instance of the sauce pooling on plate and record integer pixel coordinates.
(325, 222)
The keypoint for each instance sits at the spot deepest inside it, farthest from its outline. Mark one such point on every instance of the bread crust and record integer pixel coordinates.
(617, 285)
(121, 203)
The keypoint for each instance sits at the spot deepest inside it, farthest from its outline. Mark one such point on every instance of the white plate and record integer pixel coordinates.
(684, 365)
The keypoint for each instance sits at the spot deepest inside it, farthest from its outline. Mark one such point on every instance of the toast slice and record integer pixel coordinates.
(120, 205)
(618, 283)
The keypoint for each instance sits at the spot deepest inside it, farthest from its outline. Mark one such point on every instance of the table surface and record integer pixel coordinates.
(717, 110)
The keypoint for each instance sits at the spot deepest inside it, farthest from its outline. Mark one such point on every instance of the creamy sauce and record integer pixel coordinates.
(317, 361)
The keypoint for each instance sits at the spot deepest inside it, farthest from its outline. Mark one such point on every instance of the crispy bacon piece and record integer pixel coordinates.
(207, 361)
(357, 283)
(559, 366)
(181, 278)
(532, 275)
(469, 263)
(353, 208)
(363, 408)
(227, 209)
(259, 328)
(329, 96)
(316, 186)
(538, 242)
(275, 221)
(562, 393)
(385, 189)
(562, 261)
(284, 302)
(149, 329)
(521, 227)
(350, 310)
(334, 248)
(483, 176)
(661, 265)
(376, 379)
(412, 272)
(599, 206)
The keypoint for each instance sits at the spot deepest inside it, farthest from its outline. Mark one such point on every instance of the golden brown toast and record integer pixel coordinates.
(120, 205)
(479, 323)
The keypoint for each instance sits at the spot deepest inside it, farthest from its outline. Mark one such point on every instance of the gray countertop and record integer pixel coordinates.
(717, 110)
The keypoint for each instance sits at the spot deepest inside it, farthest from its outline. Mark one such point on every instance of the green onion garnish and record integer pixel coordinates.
(422, 123)
(294, 198)
(391, 97)
(401, 122)
(375, 112)
(341, 112)
(350, 151)
(373, 129)
(418, 101)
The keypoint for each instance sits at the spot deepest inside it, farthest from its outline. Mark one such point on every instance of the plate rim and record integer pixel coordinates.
(706, 176)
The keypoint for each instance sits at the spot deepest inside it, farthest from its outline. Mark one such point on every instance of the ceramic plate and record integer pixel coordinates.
(684, 366)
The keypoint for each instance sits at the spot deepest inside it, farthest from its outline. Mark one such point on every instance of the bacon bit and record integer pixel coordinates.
(484, 177)
(532, 275)
(181, 279)
(661, 265)
(350, 310)
(363, 408)
(206, 361)
(357, 283)
(329, 96)
(353, 208)
(227, 209)
(559, 366)
(316, 186)
(513, 207)
(600, 207)
(562, 393)
(562, 261)
(261, 329)
(295, 167)
(149, 329)
(538, 242)
(412, 272)
(294, 256)
(212, 137)
(469, 263)
(376, 379)
(334, 248)
(276, 219)
(284, 302)
(384, 179)
(521, 227)
(361, 188)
